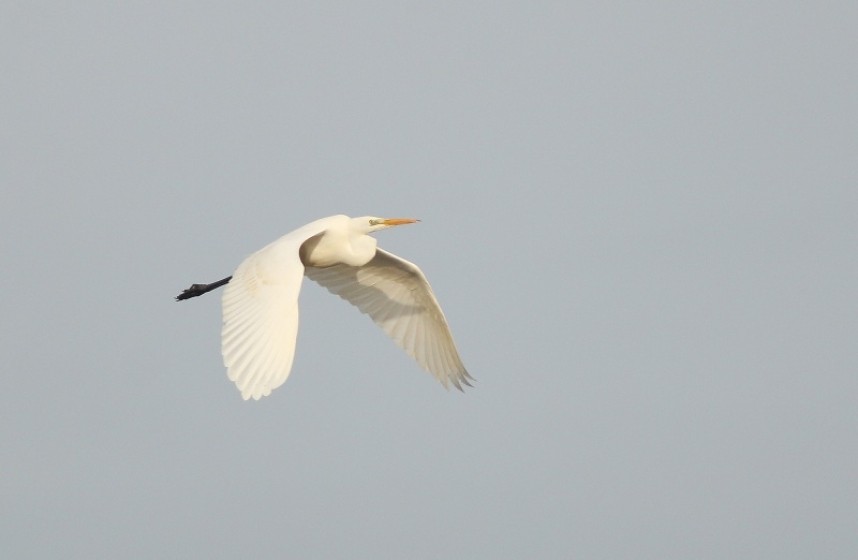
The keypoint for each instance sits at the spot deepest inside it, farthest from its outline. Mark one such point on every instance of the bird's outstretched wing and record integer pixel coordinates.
(260, 320)
(397, 296)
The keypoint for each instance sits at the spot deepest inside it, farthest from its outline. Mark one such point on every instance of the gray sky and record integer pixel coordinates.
(640, 221)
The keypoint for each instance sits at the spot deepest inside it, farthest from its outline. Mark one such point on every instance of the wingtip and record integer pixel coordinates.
(458, 380)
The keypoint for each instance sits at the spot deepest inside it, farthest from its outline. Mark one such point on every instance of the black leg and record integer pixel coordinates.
(200, 289)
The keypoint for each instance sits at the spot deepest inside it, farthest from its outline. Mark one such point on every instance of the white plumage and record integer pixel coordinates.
(260, 302)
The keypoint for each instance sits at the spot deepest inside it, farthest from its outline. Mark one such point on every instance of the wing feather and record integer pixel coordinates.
(397, 297)
(260, 320)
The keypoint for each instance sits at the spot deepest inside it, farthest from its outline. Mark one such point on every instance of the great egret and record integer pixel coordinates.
(260, 303)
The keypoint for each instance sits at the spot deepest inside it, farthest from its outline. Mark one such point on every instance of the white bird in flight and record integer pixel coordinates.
(260, 304)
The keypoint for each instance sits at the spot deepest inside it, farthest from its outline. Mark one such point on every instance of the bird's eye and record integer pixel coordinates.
(374, 222)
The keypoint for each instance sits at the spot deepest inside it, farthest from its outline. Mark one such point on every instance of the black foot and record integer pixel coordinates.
(200, 289)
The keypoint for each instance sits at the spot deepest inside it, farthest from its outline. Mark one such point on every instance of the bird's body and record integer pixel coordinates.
(260, 302)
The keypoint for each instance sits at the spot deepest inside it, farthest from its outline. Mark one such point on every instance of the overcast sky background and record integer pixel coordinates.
(639, 219)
